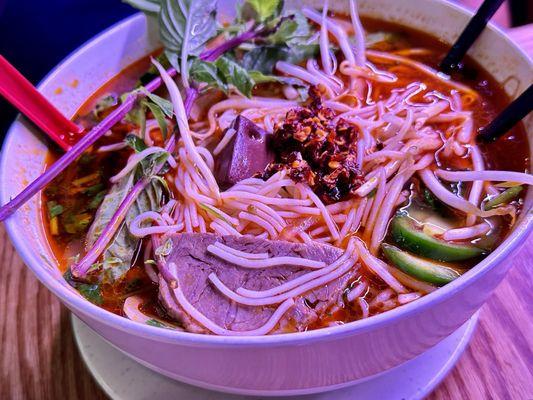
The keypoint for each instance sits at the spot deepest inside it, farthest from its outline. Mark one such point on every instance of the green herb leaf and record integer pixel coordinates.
(76, 223)
(185, 26)
(104, 103)
(260, 10)
(164, 105)
(94, 189)
(235, 75)
(96, 200)
(135, 142)
(264, 58)
(118, 257)
(207, 72)
(503, 198)
(222, 74)
(294, 30)
(91, 292)
(160, 118)
(259, 77)
(54, 209)
(212, 211)
(154, 322)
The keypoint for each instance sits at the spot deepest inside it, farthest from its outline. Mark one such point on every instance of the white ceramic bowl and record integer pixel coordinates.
(292, 363)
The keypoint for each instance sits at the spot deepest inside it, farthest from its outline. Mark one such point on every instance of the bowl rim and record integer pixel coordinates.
(80, 304)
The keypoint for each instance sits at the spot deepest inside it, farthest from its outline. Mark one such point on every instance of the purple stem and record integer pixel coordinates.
(213, 54)
(79, 270)
(116, 116)
(83, 144)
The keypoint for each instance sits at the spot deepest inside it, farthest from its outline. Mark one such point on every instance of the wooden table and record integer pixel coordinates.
(39, 360)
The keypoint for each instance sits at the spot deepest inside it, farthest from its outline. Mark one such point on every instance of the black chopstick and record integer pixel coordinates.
(470, 34)
(510, 116)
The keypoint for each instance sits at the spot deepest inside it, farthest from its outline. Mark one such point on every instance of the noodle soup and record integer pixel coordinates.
(295, 186)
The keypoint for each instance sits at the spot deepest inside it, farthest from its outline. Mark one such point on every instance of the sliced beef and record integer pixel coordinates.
(247, 153)
(194, 264)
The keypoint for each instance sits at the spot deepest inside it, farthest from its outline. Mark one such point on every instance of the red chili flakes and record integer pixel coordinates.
(316, 150)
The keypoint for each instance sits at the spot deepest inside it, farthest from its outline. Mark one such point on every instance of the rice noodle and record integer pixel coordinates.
(310, 285)
(364, 307)
(112, 147)
(266, 263)
(182, 121)
(486, 175)
(323, 210)
(131, 309)
(137, 230)
(423, 68)
(293, 283)
(467, 232)
(359, 33)
(477, 186)
(134, 160)
(224, 141)
(408, 297)
(324, 42)
(218, 330)
(251, 256)
(454, 201)
(356, 291)
(336, 31)
(378, 267)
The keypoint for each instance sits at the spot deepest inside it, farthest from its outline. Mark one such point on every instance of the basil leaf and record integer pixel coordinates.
(235, 75)
(164, 104)
(222, 74)
(259, 77)
(185, 26)
(260, 10)
(294, 30)
(135, 142)
(91, 293)
(207, 72)
(118, 257)
(264, 58)
(160, 118)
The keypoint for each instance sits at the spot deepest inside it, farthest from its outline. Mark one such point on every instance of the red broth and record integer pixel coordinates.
(81, 182)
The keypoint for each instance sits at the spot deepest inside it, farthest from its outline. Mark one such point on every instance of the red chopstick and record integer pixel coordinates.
(23, 95)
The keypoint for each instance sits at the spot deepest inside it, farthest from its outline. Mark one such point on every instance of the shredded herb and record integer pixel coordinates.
(103, 104)
(54, 209)
(212, 211)
(96, 200)
(91, 292)
(77, 223)
(94, 189)
(156, 323)
(503, 198)
(260, 10)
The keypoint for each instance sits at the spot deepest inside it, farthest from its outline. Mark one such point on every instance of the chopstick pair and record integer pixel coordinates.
(515, 111)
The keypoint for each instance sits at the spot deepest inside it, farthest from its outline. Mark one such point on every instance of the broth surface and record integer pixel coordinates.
(78, 188)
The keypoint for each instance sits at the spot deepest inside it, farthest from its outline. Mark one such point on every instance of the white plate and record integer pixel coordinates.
(124, 379)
